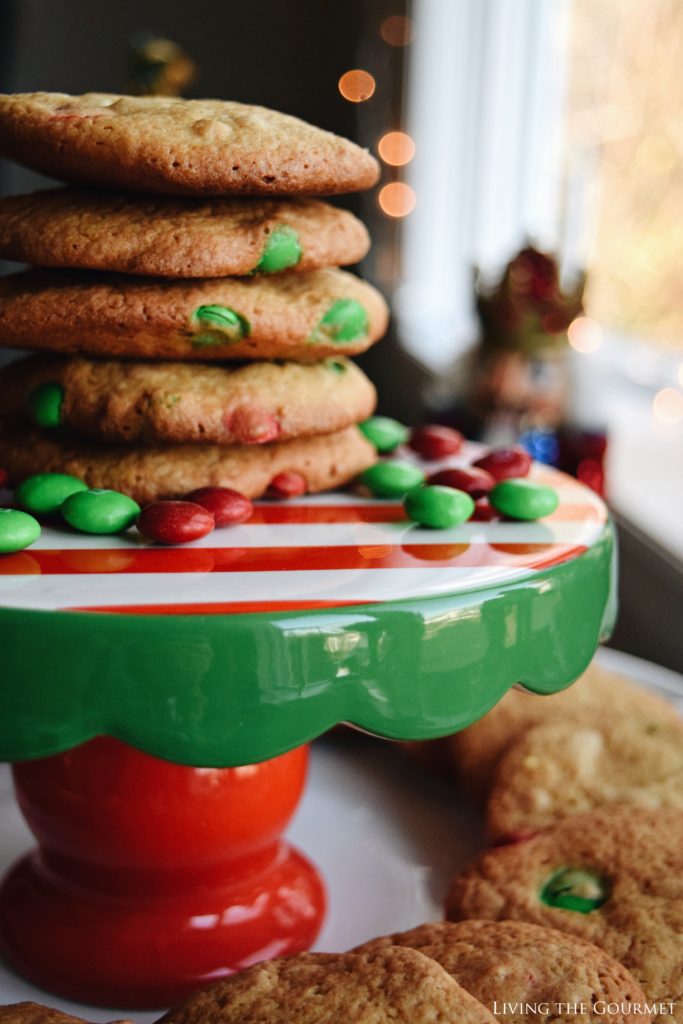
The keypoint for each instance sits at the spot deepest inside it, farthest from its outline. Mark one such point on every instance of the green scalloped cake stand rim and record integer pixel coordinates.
(224, 690)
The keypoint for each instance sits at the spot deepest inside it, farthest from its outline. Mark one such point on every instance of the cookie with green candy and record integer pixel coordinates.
(560, 768)
(163, 144)
(304, 317)
(170, 402)
(153, 471)
(613, 876)
(69, 227)
(530, 962)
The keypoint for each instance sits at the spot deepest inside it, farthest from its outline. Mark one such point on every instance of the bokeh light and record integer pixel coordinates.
(357, 86)
(396, 199)
(396, 148)
(397, 30)
(584, 334)
(668, 405)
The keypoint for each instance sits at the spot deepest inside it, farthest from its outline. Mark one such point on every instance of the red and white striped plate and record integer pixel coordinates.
(315, 552)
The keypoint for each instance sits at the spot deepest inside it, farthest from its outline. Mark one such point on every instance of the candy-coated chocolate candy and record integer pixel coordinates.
(282, 250)
(4, 477)
(484, 511)
(392, 479)
(223, 325)
(287, 485)
(475, 482)
(575, 889)
(100, 511)
(438, 507)
(386, 434)
(436, 442)
(505, 463)
(44, 494)
(227, 507)
(523, 499)
(17, 530)
(345, 320)
(45, 404)
(175, 522)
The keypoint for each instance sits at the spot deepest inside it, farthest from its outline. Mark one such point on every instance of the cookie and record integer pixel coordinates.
(305, 317)
(69, 227)
(594, 697)
(398, 985)
(563, 768)
(172, 471)
(612, 877)
(34, 1013)
(178, 147)
(179, 403)
(524, 973)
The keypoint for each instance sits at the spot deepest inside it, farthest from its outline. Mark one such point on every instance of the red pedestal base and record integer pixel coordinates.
(152, 879)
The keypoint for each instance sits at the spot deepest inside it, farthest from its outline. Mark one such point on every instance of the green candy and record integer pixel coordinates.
(45, 404)
(345, 321)
(17, 530)
(282, 250)
(392, 479)
(45, 493)
(100, 511)
(386, 434)
(523, 499)
(336, 366)
(575, 889)
(225, 326)
(438, 507)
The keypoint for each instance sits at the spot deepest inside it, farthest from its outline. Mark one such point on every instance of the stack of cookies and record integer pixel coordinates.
(195, 323)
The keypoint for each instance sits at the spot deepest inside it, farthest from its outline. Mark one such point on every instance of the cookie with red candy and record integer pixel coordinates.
(186, 403)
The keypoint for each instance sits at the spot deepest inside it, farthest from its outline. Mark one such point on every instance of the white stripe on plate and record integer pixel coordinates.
(313, 535)
(356, 585)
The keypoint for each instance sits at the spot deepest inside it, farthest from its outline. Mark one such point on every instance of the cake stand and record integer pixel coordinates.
(157, 703)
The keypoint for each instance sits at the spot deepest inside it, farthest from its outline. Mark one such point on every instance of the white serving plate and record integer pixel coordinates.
(386, 835)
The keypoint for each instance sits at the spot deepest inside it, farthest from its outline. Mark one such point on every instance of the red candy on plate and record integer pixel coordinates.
(435, 442)
(175, 522)
(504, 463)
(287, 485)
(484, 512)
(228, 507)
(475, 482)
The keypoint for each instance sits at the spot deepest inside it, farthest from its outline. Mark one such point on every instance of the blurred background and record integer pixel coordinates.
(525, 227)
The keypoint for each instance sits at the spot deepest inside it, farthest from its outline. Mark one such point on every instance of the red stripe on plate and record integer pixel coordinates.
(288, 559)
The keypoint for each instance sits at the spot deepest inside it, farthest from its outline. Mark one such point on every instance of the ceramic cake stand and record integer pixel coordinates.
(157, 703)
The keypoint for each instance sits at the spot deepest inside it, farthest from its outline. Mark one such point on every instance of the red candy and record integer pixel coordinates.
(174, 522)
(228, 507)
(287, 485)
(435, 442)
(484, 512)
(505, 463)
(252, 426)
(475, 482)
(4, 477)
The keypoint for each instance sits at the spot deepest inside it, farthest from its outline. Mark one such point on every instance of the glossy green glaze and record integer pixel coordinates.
(221, 690)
